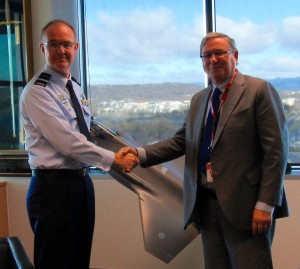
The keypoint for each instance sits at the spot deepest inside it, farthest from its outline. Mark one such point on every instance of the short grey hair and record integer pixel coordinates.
(56, 22)
(212, 35)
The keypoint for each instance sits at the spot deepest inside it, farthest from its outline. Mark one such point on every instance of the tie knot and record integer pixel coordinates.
(215, 99)
(69, 84)
(216, 93)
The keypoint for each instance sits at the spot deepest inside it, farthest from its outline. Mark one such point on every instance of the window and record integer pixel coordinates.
(268, 48)
(144, 64)
(12, 73)
(144, 61)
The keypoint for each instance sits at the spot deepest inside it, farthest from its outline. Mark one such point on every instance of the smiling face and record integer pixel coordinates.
(219, 67)
(59, 58)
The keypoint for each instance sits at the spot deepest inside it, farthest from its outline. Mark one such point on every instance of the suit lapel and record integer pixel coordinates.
(233, 97)
(199, 116)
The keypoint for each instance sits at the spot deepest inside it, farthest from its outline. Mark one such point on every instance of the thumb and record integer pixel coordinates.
(131, 150)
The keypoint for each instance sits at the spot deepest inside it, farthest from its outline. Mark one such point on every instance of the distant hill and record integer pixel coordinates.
(290, 84)
(169, 91)
(149, 92)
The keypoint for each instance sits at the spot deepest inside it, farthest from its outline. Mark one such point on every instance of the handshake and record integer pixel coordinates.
(126, 159)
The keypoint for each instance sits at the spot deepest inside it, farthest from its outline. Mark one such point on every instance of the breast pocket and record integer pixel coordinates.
(67, 109)
(241, 123)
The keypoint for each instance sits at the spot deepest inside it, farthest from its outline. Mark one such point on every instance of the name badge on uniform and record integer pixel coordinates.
(65, 102)
(209, 175)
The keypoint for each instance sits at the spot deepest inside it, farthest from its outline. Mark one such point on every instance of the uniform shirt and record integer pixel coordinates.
(53, 139)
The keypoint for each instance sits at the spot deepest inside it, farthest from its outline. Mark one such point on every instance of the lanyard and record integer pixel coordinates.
(216, 114)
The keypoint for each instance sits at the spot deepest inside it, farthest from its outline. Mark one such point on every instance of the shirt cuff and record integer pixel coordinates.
(264, 207)
(107, 161)
(142, 155)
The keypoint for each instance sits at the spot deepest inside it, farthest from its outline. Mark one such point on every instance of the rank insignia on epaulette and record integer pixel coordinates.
(43, 79)
(72, 78)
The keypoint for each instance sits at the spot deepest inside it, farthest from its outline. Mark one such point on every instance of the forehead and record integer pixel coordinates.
(59, 31)
(215, 44)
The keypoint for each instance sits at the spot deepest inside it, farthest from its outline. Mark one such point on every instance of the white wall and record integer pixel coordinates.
(286, 245)
(118, 241)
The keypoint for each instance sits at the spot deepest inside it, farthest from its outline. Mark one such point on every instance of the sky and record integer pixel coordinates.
(142, 41)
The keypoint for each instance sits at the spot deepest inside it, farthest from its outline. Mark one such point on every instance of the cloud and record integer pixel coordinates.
(289, 33)
(152, 46)
(140, 36)
(268, 67)
(250, 38)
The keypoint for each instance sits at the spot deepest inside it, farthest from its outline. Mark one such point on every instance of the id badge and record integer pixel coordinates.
(209, 174)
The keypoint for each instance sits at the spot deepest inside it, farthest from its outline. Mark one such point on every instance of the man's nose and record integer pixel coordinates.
(61, 47)
(213, 58)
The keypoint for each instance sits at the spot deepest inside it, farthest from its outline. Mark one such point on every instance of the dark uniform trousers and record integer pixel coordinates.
(61, 209)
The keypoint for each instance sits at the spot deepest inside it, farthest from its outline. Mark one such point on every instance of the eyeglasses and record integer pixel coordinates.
(218, 54)
(56, 44)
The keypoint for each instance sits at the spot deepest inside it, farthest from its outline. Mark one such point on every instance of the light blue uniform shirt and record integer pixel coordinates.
(53, 140)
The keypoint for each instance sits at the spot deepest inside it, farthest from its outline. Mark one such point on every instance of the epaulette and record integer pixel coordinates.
(43, 79)
(75, 81)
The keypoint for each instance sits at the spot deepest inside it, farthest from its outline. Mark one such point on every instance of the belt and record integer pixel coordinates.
(209, 192)
(60, 172)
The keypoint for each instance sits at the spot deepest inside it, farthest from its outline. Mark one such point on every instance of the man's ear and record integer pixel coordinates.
(76, 46)
(42, 47)
(236, 56)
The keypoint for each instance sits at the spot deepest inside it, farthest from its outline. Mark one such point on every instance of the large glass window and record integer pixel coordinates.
(267, 37)
(144, 64)
(12, 72)
(144, 61)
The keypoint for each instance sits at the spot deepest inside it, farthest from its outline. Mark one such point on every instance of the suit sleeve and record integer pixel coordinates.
(166, 150)
(273, 137)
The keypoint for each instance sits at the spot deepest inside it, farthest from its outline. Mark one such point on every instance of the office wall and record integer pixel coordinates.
(286, 245)
(118, 240)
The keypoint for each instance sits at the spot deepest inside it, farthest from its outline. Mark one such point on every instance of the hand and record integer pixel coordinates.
(131, 150)
(262, 221)
(126, 159)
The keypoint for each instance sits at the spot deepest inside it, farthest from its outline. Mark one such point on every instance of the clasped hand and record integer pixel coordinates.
(126, 159)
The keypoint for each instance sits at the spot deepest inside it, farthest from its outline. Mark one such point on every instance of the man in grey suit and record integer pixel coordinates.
(236, 192)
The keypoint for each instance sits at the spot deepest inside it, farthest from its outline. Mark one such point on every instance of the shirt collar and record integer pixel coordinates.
(221, 86)
(56, 77)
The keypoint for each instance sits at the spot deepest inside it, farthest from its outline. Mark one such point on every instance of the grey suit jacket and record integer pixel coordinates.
(249, 152)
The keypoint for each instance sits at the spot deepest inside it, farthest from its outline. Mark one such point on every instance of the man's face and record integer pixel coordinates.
(60, 48)
(220, 62)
